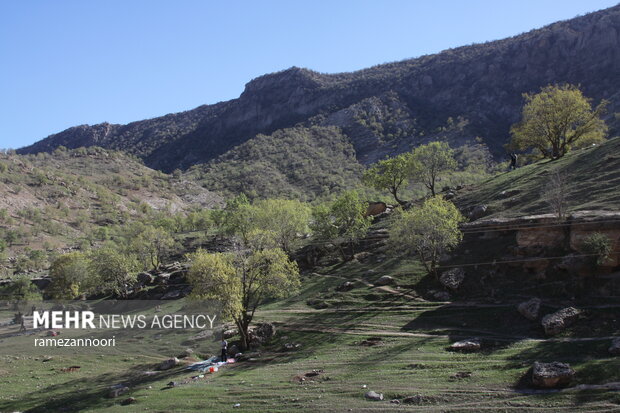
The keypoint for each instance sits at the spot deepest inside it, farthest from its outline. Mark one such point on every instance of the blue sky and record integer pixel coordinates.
(65, 63)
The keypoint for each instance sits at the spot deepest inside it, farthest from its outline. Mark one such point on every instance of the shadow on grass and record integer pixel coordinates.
(93, 391)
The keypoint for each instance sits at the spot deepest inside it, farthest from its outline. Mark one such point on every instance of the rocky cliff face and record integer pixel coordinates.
(398, 102)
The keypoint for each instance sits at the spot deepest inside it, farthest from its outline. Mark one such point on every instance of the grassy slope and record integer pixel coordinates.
(592, 177)
(412, 359)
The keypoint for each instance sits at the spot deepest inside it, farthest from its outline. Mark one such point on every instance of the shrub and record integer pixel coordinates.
(598, 246)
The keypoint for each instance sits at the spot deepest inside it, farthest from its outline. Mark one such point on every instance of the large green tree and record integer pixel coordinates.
(285, 219)
(116, 270)
(344, 221)
(242, 282)
(428, 231)
(390, 174)
(70, 276)
(557, 119)
(430, 162)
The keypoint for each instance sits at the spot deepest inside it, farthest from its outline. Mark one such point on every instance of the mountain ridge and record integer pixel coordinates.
(481, 83)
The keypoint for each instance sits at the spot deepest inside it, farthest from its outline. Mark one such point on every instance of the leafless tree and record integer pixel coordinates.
(555, 194)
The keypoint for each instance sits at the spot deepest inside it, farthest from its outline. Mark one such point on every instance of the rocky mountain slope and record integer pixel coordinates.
(388, 108)
(59, 200)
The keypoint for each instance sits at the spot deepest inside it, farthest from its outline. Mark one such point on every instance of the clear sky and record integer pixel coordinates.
(66, 63)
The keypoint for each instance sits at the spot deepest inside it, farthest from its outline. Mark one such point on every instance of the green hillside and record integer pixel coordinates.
(591, 177)
(51, 202)
(297, 163)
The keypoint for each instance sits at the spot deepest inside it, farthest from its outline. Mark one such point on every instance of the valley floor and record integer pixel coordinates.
(406, 357)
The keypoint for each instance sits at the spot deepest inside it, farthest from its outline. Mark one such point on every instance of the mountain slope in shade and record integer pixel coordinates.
(388, 108)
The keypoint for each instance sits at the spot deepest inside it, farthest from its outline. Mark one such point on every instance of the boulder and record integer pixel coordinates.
(469, 345)
(440, 295)
(117, 390)
(371, 395)
(385, 280)
(557, 322)
(128, 401)
(552, 375)
(168, 364)
(453, 278)
(376, 208)
(265, 331)
(530, 308)
(413, 399)
(230, 333)
(144, 278)
(614, 349)
(345, 286)
(478, 212)
(186, 353)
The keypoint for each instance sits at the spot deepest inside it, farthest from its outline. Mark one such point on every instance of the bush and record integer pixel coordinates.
(598, 246)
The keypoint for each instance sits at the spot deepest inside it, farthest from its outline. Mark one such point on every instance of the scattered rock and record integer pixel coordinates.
(471, 344)
(361, 256)
(395, 401)
(552, 375)
(291, 346)
(385, 280)
(461, 375)
(128, 401)
(478, 212)
(117, 390)
(237, 405)
(453, 278)
(70, 369)
(144, 278)
(168, 364)
(247, 356)
(417, 399)
(372, 341)
(371, 395)
(345, 286)
(560, 320)
(509, 193)
(441, 295)
(186, 353)
(230, 333)
(529, 309)
(615, 347)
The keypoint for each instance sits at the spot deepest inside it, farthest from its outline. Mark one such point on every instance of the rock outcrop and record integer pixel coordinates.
(559, 321)
(552, 375)
(530, 308)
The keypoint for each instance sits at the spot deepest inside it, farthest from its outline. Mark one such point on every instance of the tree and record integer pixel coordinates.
(116, 271)
(152, 245)
(390, 174)
(556, 193)
(557, 119)
(286, 219)
(344, 218)
(70, 276)
(238, 218)
(428, 231)
(430, 161)
(242, 282)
